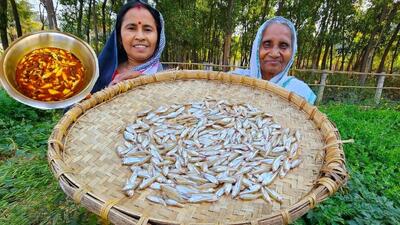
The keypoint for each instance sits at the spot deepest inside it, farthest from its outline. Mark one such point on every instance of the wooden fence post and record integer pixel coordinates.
(379, 88)
(321, 87)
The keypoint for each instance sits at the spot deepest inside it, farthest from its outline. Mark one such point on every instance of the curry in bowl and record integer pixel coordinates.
(49, 69)
(50, 74)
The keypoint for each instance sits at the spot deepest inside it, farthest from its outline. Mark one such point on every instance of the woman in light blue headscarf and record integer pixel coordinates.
(273, 54)
(134, 47)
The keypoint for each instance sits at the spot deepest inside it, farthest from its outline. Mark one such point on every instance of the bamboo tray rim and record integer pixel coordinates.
(333, 173)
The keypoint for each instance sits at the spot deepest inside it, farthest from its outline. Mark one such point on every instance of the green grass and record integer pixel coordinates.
(372, 195)
(29, 194)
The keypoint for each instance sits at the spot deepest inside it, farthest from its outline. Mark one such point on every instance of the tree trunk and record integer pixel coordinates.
(281, 3)
(315, 63)
(3, 24)
(110, 22)
(374, 41)
(334, 29)
(219, 49)
(41, 15)
(80, 15)
(265, 10)
(212, 42)
(88, 22)
(394, 55)
(359, 57)
(203, 49)
(323, 63)
(243, 43)
(305, 66)
(372, 61)
(388, 46)
(386, 29)
(299, 58)
(103, 13)
(16, 17)
(96, 33)
(337, 63)
(341, 60)
(51, 14)
(331, 57)
(350, 61)
(227, 48)
(345, 53)
(210, 35)
(343, 39)
(318, 48)
(228, 34)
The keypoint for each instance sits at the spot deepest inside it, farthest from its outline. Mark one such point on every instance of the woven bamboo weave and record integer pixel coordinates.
(82, 156)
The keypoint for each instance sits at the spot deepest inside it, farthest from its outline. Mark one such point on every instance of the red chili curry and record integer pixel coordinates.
(50, 74)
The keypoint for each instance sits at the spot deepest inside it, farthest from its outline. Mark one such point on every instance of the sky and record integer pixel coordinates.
(35, 4)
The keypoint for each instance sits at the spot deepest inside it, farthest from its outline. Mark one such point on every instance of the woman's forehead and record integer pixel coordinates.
(139, 15)
(277, 30)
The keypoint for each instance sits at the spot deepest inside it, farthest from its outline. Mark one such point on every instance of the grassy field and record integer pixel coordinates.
(30, 195)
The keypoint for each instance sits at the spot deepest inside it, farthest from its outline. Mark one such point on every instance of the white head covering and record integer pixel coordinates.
(282, 79)
(255, 70)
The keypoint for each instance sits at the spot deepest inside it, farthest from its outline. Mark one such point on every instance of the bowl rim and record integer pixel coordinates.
(42, 104)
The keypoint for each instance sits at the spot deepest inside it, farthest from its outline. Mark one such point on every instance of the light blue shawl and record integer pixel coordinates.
(282, 79)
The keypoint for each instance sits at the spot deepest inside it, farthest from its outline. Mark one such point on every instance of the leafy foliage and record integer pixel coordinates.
(372, 193)
(27, 18)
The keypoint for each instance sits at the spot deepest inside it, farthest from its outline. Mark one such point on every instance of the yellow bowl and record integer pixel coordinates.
(24, 45)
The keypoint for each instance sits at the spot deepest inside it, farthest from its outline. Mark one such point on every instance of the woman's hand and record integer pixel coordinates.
(124, 76)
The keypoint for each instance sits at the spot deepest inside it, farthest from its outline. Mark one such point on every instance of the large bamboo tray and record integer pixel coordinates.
(81, 150)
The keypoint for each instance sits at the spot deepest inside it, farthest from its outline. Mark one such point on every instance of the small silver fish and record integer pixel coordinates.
(195, 198)
(274, 195)
(172, 202)
(156, 199)
(249, 196)
(237, 186)
(171, 193)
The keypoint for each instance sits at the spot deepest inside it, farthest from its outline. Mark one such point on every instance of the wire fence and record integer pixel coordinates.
(329, 86)
(336, 86)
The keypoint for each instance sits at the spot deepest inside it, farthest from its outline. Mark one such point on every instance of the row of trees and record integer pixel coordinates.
(348, 35)
(18, 17)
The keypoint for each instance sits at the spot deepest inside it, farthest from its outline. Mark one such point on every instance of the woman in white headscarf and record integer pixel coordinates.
(273, 54)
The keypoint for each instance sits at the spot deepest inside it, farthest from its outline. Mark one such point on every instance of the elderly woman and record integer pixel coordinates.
(272, 55)
(134, 47)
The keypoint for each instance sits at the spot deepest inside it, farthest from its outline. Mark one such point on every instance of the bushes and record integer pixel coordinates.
(29, 194)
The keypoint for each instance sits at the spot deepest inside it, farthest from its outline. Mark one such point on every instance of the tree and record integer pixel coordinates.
(103, 21)
(51, 14)
(89, 12)
(96, 33)
(16, 18)
(228, 31)
(395, 52)
(79, 22)
(374, 39)
(387, 48)
(331, 34)
(3, 24)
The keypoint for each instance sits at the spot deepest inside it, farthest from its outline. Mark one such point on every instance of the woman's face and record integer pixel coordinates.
(139, 35)
(275, 50)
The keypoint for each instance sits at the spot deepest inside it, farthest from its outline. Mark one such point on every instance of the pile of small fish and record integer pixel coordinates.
(199, 151)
